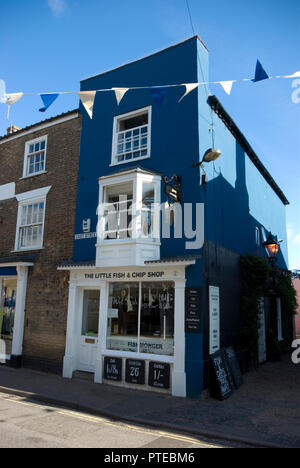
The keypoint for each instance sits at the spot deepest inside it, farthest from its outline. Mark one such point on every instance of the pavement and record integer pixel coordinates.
(264, 412)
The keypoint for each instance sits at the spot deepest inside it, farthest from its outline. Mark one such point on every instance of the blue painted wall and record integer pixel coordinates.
(236, 197)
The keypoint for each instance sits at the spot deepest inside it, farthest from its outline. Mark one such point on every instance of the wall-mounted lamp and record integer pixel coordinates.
(212, 154)
(271, 246)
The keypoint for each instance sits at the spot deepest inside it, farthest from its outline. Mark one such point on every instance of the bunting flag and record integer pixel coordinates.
(87, 98)
(295, 75)
(260, 73)
(188, 88)
(120, 93)
(158, 94)
(2, 90)
(11, 98)
(47, 99)
(227, 86)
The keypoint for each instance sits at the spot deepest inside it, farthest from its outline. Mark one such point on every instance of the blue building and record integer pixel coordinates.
(166, 302)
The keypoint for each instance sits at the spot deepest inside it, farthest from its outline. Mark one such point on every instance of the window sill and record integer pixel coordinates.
(27, 249)
(128, 161)
(33, 175)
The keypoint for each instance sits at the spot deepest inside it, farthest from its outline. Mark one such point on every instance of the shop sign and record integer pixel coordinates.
(214, 319)
(112, 368)
(135, 371)
(86, 235)
(221, 387)
(193, 310)
(117, 275)
(155, 345)
(159, 375)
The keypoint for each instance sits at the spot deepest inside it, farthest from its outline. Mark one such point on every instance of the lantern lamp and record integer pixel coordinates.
(271, 246)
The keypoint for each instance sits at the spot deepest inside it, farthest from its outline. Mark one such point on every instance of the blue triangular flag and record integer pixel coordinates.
(47, 99)
(260, 73)
(158, 94)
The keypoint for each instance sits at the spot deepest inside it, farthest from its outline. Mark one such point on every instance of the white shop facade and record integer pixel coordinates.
(126, 325)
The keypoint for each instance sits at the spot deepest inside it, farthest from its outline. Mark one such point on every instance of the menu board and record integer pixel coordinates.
(112, 369)
(135, 371)
(214, 319)
(193, 310)
(159, 375)
(234, 367)
(221, 386)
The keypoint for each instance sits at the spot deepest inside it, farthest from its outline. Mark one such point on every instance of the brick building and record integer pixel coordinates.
(38, 184)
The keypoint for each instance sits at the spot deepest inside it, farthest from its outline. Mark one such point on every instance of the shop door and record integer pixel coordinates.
(262, 349)
(7, 316)
(88, 340)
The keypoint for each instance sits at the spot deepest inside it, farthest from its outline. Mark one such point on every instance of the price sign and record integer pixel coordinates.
(192, 310)
(221, 386)
(159, 375)
(112, 369)
(135, 371)
(234, 367)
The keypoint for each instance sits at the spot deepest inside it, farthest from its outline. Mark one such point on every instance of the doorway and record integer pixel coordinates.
(89, 330)
(7, 316)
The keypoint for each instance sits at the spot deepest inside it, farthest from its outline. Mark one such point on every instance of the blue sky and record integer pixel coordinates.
(50, 45)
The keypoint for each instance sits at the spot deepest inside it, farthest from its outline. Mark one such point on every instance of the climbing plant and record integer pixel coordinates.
(255, 272)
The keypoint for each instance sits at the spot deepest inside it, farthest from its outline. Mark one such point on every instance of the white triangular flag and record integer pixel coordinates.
(188, 88)
(11, 98)
(2, 90)
(295, 75)
(227, 86)
(87, 98)
(120, 92)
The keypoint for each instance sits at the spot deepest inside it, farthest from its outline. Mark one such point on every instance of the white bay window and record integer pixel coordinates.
(128, 218)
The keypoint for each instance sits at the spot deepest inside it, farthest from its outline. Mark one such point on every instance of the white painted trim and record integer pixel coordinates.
(32, 194)
(33, 175)
(7, 191)
(39, 127)
(160, 265)
(17, 344)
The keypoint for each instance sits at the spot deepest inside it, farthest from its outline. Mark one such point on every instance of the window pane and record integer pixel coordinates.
(157, 318)
(31, 148)
(133, 122)
(41, 212)
(42, 145)
(36, 147)
(90, 313)
(122, 316)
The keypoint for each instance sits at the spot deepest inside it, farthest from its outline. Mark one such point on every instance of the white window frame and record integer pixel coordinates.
(117, 118)
(257, 236)
(29, 198)
(27, 155)
(137, 179)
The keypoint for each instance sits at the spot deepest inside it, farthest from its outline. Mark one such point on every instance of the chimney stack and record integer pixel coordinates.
(12, 129)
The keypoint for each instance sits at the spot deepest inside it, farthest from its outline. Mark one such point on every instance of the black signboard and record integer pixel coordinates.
(234, 367)
(221, 386)
(112, 368)
(193, 310)
(135, 371)
(159, 375)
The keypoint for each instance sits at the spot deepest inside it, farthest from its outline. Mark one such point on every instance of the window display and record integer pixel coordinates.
(141, 317)
(7, 314)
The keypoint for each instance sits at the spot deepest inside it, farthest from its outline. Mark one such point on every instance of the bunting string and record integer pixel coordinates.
(158, 92)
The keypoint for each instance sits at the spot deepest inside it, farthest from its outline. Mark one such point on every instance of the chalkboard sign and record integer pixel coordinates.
(159, 375)
(221, 386)
(234, 367)
(112, 369)
(193, 310)
(135, 371)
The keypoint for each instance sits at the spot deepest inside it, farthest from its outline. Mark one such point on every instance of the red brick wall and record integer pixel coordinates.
(47, 289)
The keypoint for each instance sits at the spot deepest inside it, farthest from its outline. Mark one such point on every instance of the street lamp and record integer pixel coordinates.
(272, 247)
(209, 156)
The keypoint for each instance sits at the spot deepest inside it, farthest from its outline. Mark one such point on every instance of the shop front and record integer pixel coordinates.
(127, 325)
(13, 286)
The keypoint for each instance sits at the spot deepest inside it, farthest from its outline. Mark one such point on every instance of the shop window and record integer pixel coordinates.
(90, 312)
(131, 136)
(7, 314)
(141, 317)
(35, 157)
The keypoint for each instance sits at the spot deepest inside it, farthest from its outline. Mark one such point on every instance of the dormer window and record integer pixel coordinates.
(131, 136)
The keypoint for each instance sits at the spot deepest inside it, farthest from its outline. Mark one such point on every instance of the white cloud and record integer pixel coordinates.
(58, 7)
(296, 240)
